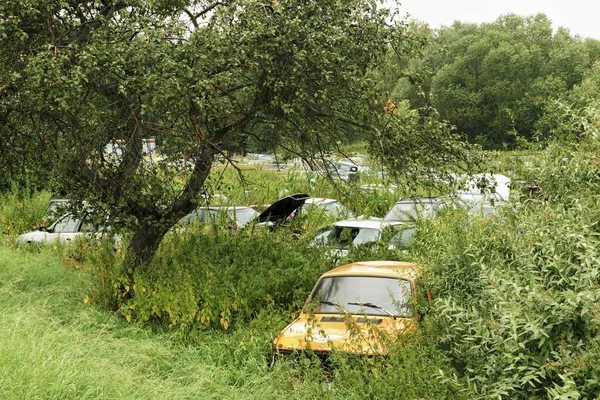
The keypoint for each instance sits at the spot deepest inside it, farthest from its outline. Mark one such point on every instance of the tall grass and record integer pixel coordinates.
(21, 210)
(515, 313)
(54, 345)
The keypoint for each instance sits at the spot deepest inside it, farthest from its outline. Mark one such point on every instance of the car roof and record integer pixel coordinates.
(319, 200)
(378, 268)
(221, 208)
(419, 200)
(366, 223)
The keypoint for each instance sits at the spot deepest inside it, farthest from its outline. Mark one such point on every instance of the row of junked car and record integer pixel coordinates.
(67, 226)
(347, 232)
(356, 308)
(363, 307)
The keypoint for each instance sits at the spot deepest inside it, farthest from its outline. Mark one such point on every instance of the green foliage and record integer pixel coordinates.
(222, 280)
(515, 311)
(517, 295)
(82, 352)
(22, 210)
(417, 132)
(275, 74)
(201, 79)
(495, 81)
(409, 372)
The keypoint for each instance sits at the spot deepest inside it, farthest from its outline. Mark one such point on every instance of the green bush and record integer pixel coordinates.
(221, 280)
(517, 308)
(516, 311)
(21, 210)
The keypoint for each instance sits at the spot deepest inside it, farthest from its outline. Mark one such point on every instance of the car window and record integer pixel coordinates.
(57, 207)
(67, 224)
(335, 209)
(324, 237)
(366, 235)
(403, 237)
(310, 208)
(407, 211)
(196, 215)
(242, 215)
(390, 294)
(343, 237)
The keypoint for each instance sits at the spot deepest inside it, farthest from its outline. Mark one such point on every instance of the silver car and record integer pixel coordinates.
(240, 215)
(330, 207)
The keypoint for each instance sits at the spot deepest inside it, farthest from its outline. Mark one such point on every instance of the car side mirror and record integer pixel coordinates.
(42, 228)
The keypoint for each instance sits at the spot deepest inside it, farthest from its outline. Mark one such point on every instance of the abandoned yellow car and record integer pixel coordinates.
(353, 308)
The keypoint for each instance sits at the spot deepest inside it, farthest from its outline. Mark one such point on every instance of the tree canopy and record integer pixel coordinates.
(494, 81)
(198, 76)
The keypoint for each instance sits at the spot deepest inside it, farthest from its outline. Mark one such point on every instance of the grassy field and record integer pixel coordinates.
(515, 311)
(55, 345)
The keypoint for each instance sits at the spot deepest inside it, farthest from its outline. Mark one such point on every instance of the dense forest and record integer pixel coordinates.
(505, 84)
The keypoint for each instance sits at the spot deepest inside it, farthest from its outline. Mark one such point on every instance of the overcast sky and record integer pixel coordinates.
(580, 16)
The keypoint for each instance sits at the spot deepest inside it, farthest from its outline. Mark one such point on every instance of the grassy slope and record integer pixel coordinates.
(53, 345)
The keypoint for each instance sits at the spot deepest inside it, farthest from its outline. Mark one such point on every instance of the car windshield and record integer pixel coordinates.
(371, 295)
(337, 210)
(196, 215)
(406, 211)
(402, 238)
(55, 206)
(242, 215)
(342, 237)
(67, 224)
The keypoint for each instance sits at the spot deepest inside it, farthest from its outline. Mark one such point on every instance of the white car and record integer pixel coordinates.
(331, 207)
(416, 207)
(483, 204)
(65, 229)
(354, 232)
(241, 215)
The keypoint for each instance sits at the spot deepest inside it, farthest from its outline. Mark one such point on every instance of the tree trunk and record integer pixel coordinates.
(140, 253)
(152, 230)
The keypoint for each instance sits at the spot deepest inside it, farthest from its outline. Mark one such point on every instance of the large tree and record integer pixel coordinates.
(196, 75)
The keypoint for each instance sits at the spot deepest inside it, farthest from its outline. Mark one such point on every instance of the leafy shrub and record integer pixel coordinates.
(517, 306)
(516, 311)
(220, 280)
(21, 210)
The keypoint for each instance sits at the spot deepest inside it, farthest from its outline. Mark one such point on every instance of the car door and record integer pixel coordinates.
(66, 229)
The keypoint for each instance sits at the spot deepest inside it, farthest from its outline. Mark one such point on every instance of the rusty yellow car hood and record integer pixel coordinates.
(345, 332)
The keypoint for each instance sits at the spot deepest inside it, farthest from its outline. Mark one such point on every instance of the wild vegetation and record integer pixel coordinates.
(203, 78)
(188, 314)
(502, 84)
(515, 313)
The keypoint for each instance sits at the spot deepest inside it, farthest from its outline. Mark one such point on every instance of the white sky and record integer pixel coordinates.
(581, 17)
